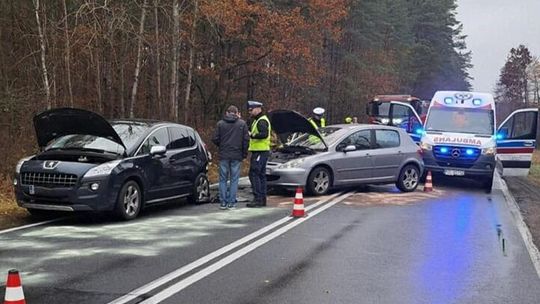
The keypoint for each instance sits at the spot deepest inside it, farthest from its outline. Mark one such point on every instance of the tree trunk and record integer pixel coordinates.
(174, 63)
(43, 58)
(122, 92)
(191, 61)
(138, 65)
(67, 57)
(158, 61)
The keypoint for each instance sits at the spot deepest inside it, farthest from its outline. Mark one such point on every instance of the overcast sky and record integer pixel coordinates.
(493, 28)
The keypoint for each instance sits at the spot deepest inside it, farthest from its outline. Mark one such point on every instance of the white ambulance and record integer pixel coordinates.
(460, 136)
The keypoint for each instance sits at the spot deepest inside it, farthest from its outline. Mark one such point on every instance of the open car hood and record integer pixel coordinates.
(286, 122)
(56, 123)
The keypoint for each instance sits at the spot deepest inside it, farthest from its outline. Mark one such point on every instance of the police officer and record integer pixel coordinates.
(259, 146)
(317, 120)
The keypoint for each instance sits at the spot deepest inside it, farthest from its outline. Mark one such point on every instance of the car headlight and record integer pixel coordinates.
(385, 121)
(20, 163)
(103, 169)
(292, 164)
(489, 151)
(426, 146)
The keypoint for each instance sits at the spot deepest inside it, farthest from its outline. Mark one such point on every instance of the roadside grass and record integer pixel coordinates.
(11, 215)
(534, 174)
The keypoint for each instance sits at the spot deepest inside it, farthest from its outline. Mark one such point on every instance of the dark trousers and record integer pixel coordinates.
(257, 174)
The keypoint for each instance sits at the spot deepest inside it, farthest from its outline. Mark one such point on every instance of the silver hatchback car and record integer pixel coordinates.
(341, 155)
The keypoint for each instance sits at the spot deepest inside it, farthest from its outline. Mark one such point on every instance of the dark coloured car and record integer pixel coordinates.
(87, 163)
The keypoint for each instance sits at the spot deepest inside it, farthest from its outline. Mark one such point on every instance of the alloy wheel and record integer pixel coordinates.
(410, 178)
(321, 182)
(131, 200)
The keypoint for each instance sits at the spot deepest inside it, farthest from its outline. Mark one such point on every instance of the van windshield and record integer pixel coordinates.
(460, 120)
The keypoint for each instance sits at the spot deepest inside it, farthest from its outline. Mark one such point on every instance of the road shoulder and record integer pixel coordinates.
(523, 199)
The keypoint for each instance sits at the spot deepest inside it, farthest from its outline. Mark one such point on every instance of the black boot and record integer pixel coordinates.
(254, 204)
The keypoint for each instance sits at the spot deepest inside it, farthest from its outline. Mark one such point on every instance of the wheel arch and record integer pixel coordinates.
(324, 165)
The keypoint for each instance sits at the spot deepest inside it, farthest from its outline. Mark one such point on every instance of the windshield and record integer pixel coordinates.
(460, 120)
(130, 133)
(86, 142)
(382, 109)
(329, 134)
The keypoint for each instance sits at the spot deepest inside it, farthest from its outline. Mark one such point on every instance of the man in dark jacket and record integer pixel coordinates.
(232, 138)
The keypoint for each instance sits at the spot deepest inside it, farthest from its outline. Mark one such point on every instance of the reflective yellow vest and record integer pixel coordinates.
(260, 144)
(323, 123)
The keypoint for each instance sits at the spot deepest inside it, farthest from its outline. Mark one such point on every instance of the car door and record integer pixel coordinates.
(516, 141)
(156, 168)
(386, 155)
(353, 166)
(183, 159)
(403, 115)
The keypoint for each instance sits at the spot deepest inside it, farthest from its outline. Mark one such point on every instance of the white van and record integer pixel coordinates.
(460, 136)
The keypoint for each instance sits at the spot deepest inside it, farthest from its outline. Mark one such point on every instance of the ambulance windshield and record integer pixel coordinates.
(460, 120)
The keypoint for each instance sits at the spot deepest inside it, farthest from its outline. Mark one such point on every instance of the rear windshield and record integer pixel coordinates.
(460, 120)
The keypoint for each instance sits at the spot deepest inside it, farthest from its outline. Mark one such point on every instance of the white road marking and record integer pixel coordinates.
(32, 225)
(170, 291)
(207, 258)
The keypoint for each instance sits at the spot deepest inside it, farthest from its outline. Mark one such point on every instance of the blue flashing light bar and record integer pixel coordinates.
(469, 151)
(444, 150)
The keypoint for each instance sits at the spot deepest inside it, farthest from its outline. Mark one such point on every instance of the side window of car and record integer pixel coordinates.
(360, 139)
(180, 138)
(386, 139)
(524, 125)
(159, 137)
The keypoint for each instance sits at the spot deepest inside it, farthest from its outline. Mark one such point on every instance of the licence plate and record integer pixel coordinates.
(454, 172)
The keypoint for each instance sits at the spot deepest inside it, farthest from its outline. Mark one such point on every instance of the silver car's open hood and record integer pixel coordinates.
(286, 122)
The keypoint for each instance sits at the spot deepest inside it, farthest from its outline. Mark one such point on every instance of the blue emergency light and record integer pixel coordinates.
(419, 131)
(469, 151)
(444, 150)
(448, 100)
(477, 101)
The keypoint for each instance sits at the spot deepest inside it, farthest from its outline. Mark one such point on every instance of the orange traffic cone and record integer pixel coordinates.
(298, 207)
(14, 291)
(428, 186)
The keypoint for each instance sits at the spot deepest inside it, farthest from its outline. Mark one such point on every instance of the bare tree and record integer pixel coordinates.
(158, 61)
(191, 60)
(43, 58)
(67, 56)
(138, 65)
(174, 63)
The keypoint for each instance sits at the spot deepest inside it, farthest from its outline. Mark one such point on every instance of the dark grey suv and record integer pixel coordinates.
(87, 163)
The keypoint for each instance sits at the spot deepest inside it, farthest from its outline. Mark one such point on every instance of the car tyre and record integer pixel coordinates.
(488, 184)
(201, 190)
(129, 201)
(319, 181)
(408, 179)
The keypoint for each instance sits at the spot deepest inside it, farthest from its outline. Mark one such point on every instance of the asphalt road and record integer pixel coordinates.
(371, 246)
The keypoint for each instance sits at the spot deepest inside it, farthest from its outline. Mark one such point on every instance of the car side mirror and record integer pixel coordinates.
(158, 150)
(349, 148)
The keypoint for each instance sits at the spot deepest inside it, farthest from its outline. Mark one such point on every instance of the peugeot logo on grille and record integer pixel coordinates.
(456, 153)
(50, 164)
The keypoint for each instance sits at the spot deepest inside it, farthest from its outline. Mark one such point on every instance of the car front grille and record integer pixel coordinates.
(461, 155)
(49, 180)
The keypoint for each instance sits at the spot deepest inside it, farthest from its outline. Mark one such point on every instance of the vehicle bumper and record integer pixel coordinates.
(77, 198)
(292, 177)
(484, 165)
